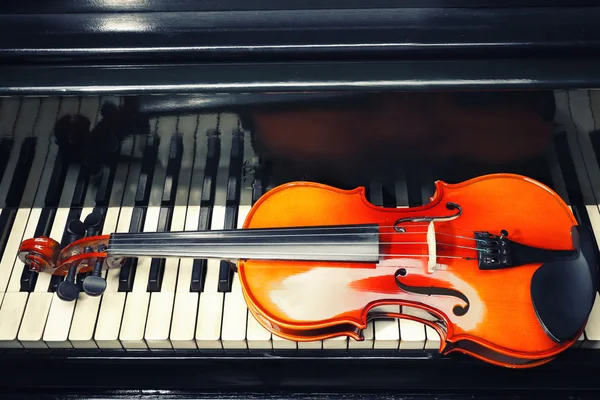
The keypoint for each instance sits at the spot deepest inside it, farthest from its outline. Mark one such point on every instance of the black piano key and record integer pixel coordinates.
(15, 190)
(232, 203)
(211, 168)
(142, 194)
(142, 197)
(6, 145)
(172, 173)
(77, 201)
(105, 186)
(207, 201)
(157, 265)
(57, 180)
(200, 265)
(44, 225)
(225, 269)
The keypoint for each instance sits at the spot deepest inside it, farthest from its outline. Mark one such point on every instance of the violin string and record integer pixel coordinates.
(219, 254)
(130, 245)
(115, 238)
(289, 231)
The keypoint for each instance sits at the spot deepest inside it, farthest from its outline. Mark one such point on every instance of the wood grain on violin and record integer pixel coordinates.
(498, 261)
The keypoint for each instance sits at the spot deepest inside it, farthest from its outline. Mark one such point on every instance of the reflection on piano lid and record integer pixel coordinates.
(204, 170)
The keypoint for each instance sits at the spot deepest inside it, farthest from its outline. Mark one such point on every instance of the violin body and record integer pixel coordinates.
(488, 314)
(497, 265)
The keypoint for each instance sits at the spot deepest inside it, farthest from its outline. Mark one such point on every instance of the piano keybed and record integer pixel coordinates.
(195, 172)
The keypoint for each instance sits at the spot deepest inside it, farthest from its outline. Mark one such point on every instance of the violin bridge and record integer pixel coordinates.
(432, 261)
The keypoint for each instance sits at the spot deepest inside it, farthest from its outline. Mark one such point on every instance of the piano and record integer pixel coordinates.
(159, 115)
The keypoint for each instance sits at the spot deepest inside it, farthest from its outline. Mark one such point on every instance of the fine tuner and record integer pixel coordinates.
(483, 260)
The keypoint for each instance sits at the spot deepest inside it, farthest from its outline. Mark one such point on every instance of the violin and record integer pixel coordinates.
(498, 264)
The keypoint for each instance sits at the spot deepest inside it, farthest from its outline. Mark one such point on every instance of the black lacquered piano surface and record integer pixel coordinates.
(180, 328)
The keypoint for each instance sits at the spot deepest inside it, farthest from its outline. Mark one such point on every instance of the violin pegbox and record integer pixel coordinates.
(85, 253)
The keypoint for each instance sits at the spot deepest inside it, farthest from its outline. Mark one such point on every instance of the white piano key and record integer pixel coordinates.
(387, 331)
(235, 311)
(336, 343)
(137, 301)
(257, 336)
(235, 316)
(433, 339)
(14, 302)
(10, 318)
(184, 320)
(161, 303)
(58, 324)
(9, 258)
(280, 343)
(112, 303)
(87, 307)
(38, 303)
(412, 332)
(185, 308)
(310, 345)
(10, 266)
(210, 308)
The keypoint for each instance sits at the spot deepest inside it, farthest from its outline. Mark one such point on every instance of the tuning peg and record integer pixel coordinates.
(76, 230)
(92, 223)
(68, 290)
(95, 285)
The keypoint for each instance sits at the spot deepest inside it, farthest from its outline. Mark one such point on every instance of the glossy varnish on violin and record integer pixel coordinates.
(309, 300)
(497, 264)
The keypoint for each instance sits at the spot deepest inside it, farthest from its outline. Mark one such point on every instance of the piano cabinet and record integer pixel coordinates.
(180, 119)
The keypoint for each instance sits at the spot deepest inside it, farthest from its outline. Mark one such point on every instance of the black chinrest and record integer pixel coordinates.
(563, 291)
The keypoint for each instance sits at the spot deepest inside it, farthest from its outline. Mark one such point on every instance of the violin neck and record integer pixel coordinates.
(356, 243)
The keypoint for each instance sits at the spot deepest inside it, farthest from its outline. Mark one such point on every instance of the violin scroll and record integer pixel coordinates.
(39, 254)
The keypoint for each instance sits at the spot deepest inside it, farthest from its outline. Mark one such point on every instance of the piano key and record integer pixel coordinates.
(38, 302)
(26, 221)
(210, 308)
(166, 216)
(185, 307)
(161, 303)
(235, 311)
(386, 331)
(60, 317)
(6, 145)
(54, 177)
(257, 337)
(10, 235)
(232, 200)
(413, 332)
(87, 308)
(207, 201)
(142, 195)
(235, 316)
(112, 304)
(137, 300)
